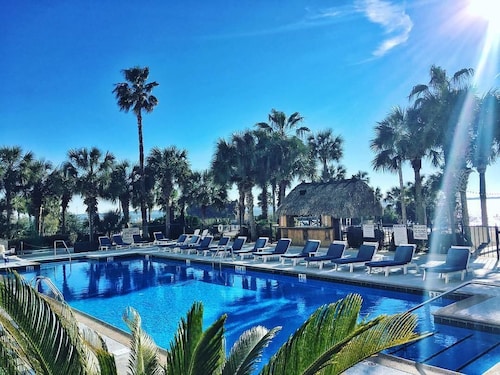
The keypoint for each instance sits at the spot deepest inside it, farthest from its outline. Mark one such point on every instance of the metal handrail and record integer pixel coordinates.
(451, 291)
(57, 293)
(65, 246)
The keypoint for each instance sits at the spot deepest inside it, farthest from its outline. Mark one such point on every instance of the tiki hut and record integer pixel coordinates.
(316, 210)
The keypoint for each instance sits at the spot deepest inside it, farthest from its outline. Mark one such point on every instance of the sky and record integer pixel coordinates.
(223, 65)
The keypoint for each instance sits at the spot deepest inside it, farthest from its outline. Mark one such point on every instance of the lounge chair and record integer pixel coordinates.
(139, 241)
(105, 243)
(204, 233)
(203, 245)
(159, 238)
(261, 243)
(118, 241)
(221, 248)
(7, 255)
(457, 261)
(191, 244)
(335, 251)
(237, 245)
(311, 247)
(402, 258)
(196, 232)
(281, 248)
(165, 244)
(365, 254)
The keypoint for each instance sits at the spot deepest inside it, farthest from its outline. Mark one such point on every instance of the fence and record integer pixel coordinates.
(484, 240)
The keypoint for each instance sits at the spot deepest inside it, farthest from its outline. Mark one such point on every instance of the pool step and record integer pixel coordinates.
(460, 352)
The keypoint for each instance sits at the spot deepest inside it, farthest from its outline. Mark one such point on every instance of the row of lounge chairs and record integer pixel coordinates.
(456, 261)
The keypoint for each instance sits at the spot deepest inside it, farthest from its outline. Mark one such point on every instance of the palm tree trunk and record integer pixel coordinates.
(417, 165)
(251, 219)
(482, 195)
(402, 195)
(144, 217)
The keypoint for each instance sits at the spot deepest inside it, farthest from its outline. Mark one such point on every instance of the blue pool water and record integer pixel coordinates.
(163, 291)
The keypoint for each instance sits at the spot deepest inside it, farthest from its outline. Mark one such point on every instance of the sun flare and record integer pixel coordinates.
(489, 10)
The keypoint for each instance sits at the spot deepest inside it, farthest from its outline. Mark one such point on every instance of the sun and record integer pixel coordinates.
(488, 10)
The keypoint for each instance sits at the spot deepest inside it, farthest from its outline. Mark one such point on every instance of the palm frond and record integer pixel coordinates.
(332, 339)
(248, 350)
(50, 346)
(143, 359)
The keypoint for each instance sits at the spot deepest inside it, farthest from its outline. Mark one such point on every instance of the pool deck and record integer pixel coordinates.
(478, 307)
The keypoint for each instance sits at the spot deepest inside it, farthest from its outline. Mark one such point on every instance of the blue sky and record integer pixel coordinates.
(223, 65)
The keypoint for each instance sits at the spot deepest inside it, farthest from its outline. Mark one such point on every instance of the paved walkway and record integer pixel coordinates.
(482, 283)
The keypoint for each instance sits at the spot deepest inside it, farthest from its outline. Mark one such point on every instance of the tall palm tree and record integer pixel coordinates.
(387, 145)
(136, 94)
(440, 107)
(170, 166)
(326, 148)
(93, 174)
(288, 162)
(205, 192)
(485, 147)
(282, 125)
(235, 162)
(38, 190)
(64, 185)
(14, 166)
(119, 188)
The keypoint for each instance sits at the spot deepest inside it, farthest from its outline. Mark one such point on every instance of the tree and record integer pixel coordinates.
(442, 114)
(119, 188)
(485, 147)
(280, 124)
(64, 186)
(387, 145)
(235, 161)
(93, 174)
(38, 190)
(13, 170)
(136, 94)
(326, 148)
(170, 166)
(205, 192)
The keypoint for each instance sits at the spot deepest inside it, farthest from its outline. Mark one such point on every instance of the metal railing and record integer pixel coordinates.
(65, 246)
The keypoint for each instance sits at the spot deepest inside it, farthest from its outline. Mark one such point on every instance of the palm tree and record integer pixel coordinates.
(64, 186)
(280, 124)
(326, 148)
(235, 162)
(93, 174)
(13, 169)
(387, 145)
(439, 110)
(38, 190)
(170, 166)
(484, 145)
(289, 157)
(119, 188)
(136, 94)
(205, 192)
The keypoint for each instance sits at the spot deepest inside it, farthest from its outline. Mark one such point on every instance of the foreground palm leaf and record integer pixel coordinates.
(194, 351)
(248, 350)
(43, 340)
(143, 358)
(331, 340)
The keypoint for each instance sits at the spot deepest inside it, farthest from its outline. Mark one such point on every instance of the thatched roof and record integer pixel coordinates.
(341, 199)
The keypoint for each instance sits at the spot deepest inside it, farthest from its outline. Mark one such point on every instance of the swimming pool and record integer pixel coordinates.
(162, 291)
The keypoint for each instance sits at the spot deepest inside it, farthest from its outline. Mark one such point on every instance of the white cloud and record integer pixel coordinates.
(392, 18)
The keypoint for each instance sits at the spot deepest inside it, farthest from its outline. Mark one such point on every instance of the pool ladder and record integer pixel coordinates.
(65, 247)
(58, 296)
